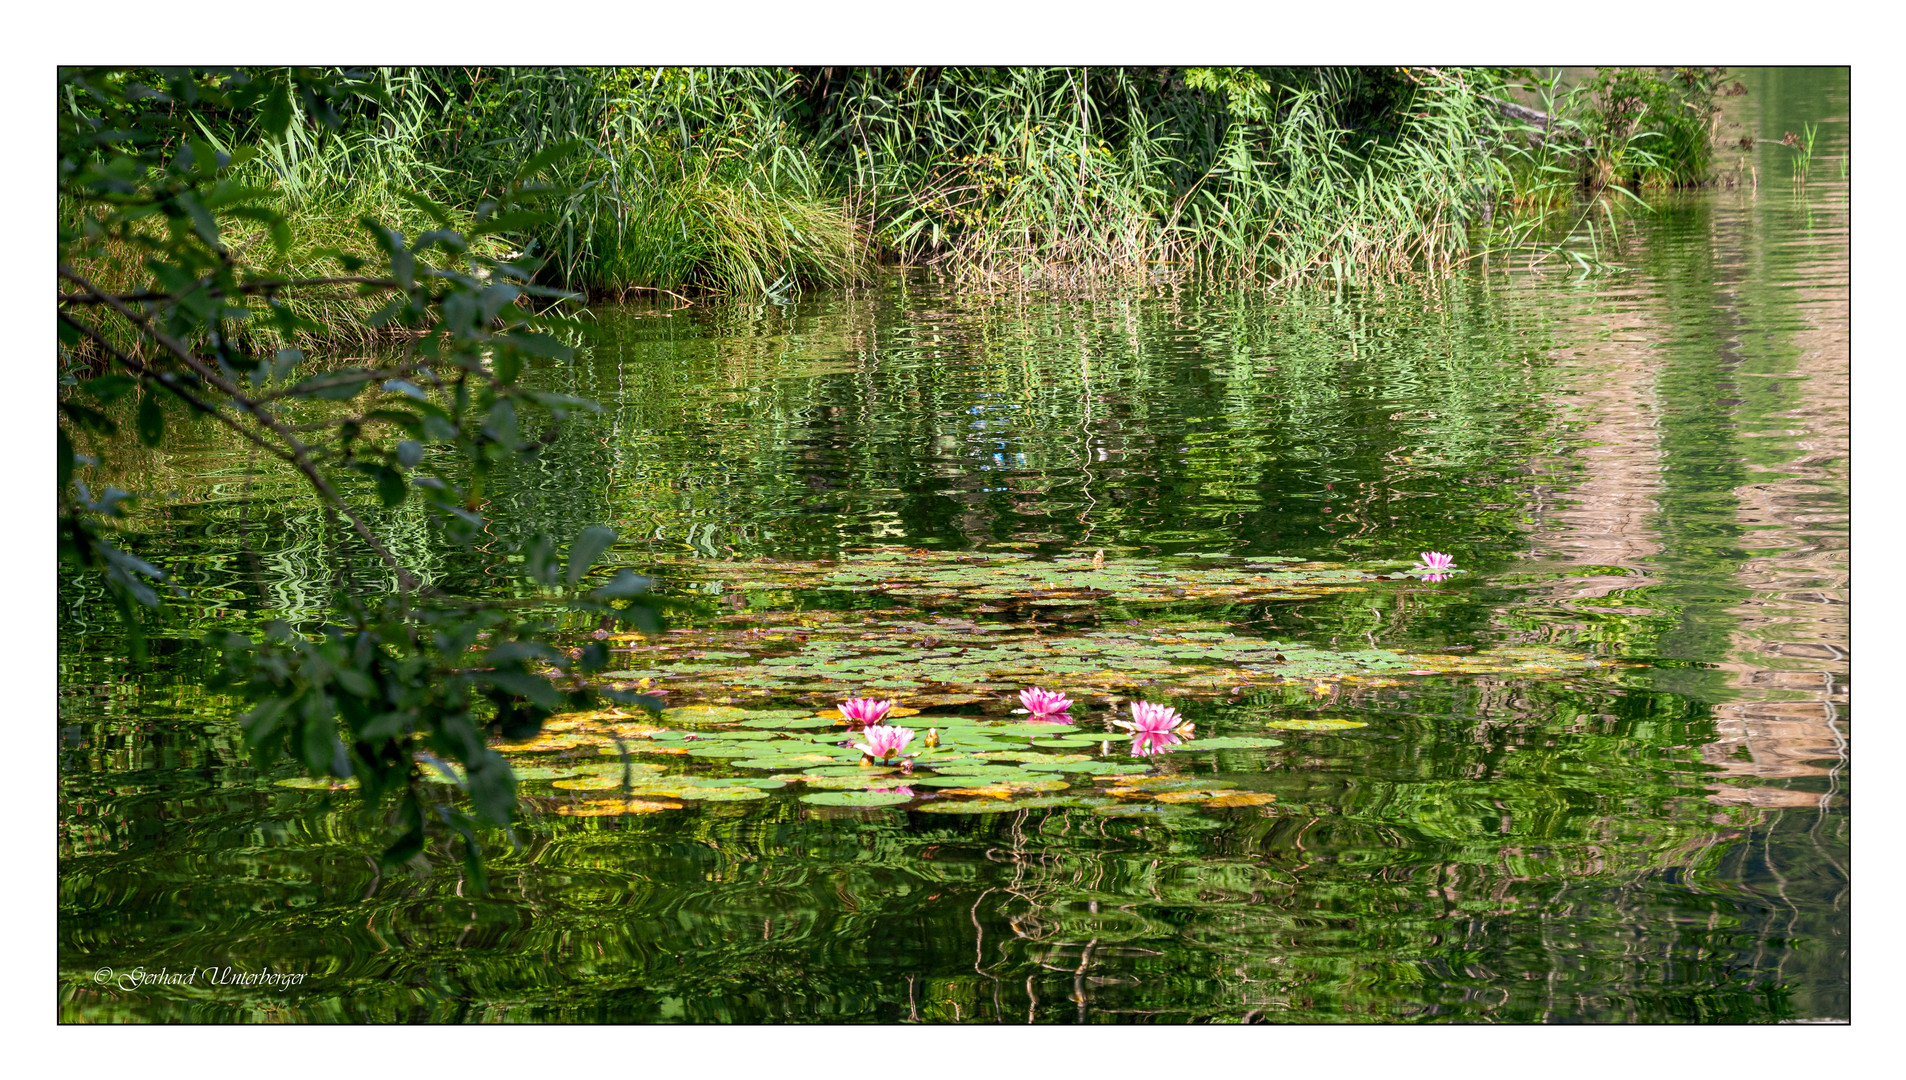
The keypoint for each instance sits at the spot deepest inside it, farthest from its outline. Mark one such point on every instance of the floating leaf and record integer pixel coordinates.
(1036, 731)
(1005, 788)
(316, 783)
(967, 806)
(1315, 725)
(1228, 742)
(615, 808)
(803, 722)
(853, 770)
(703, 714)
(1242, 798)
(1141, 810)
(857, 798)
(589, 783)
(791, 761)
(724, 750)
(1092, 767)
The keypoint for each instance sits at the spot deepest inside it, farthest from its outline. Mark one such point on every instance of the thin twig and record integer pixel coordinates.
(247, 288)
(300, 454)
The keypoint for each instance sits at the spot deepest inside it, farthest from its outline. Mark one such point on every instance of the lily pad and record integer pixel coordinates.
(1008, 788)
(1095, 768)
(616, 808)
(1143, 784)
(1316, 725)
(786, 761)
(1143, 810)
(589, 783)
(723, 750)
(857, 798)
(968, 806)
(803, 722)
(853, 770)
(1242, 798)
(1228, 742)
(317, 783)
(1036, 731)
(703, 714)
(726, 793)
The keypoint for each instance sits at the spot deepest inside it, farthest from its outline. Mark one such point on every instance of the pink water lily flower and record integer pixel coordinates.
(866, 710)
(1045, 704)
(1437, 564)
(1145, 744)
(1150, 719)
(883, 741)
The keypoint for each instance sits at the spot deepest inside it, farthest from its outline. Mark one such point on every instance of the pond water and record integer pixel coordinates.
(1620, 792)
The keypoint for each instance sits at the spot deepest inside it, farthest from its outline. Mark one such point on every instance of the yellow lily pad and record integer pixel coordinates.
(1242, 798)
(616, 807)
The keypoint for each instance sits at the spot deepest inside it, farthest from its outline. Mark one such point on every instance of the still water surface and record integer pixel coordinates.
(1647, 467)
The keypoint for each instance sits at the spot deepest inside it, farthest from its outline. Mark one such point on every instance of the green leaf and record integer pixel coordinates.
(625, 584)
(587, 548)
(65, 459)
(109, 388)
(274, 119)
(151, 420)
(91, 419)
(391, 488)
(548, 156)
(541, 345)
(340, 385)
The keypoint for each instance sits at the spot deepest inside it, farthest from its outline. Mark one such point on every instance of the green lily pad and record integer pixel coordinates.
(1144, 810)
(857, 798)
(1095, 768)
(849, 783)
(1174, 783)
(1227, 742)
(1081, 740)
(968, 806)
(1037, 731)
(853, 770)
(546, 772)
(317, 783)
(726, 793)
(1315, 725)
(589, 783)
(963, 779)
(800, 723)
(703, 714)
(723, 750)
(792, 761)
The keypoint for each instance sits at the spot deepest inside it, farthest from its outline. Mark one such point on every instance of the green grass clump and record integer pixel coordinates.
(756, 182)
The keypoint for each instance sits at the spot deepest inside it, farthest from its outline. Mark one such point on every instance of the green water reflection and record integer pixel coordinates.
(1650, 466)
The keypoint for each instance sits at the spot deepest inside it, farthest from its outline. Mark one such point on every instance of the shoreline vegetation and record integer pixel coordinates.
(687, 183)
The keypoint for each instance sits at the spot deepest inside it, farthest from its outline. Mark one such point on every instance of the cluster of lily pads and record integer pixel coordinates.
(853, 755)
(1153, 728)
(743, 742)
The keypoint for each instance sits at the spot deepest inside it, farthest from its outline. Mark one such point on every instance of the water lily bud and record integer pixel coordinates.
(933, 737)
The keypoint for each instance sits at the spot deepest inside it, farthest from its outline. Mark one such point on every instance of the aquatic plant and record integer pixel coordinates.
(1151, 719)
(1045, 704)
(883, 741)
(866, 710)
(1438, 564)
